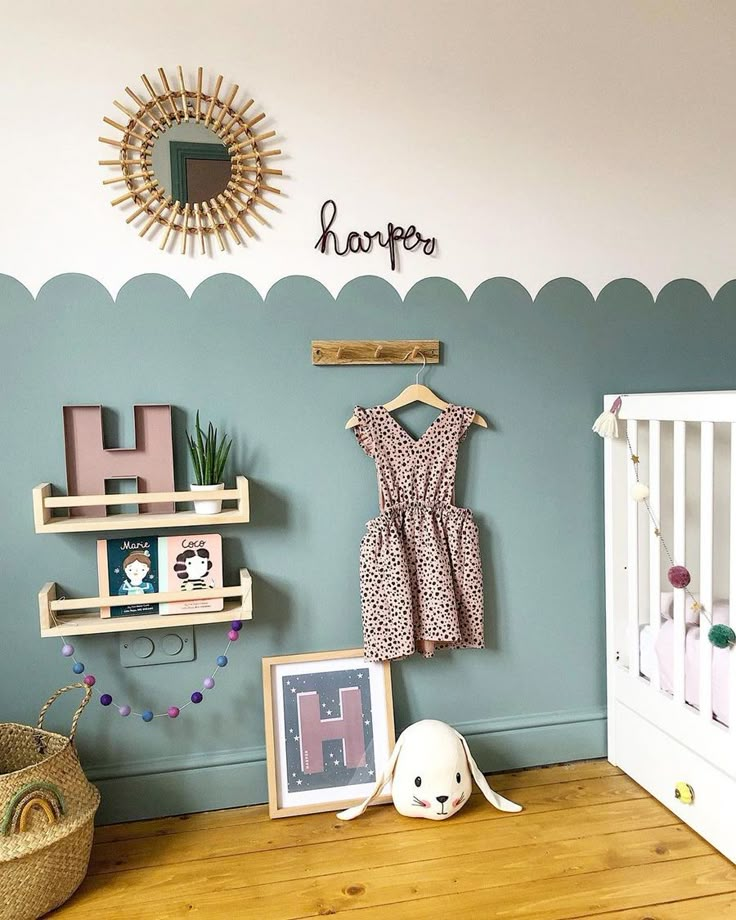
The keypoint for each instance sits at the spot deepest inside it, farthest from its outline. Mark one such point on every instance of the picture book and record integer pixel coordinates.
(133, 567)
(191, 564)
(128, 567)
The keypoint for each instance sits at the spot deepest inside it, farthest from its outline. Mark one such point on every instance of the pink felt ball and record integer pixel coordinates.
(678, 576)
(173, 712)
(233, 635)
(208, 683)
(90, 680)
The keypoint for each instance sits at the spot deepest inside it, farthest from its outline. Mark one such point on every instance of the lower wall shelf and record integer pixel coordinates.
(66, 617)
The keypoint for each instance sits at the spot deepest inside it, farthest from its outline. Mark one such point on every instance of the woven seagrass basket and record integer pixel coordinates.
(47, 809)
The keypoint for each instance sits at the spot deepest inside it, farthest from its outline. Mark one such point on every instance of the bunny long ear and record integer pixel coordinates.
(493, 797)
(357, 810)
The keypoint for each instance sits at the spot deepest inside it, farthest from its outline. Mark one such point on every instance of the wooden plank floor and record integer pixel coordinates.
(590, 843)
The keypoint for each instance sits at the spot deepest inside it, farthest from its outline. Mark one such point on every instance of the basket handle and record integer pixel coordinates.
(77, 714)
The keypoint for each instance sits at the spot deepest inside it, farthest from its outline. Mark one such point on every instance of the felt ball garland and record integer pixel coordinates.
(147, 715)
(720, 635)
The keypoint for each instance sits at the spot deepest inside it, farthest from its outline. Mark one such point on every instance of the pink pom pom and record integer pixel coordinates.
(90, 680)
(233, 635)
(173, 712)
(678, 576)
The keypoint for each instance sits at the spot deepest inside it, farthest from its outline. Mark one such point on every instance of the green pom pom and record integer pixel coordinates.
(721, 636)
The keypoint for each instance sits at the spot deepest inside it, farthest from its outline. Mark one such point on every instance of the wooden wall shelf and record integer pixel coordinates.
(66, 617)
(44, 504)
(376, 351)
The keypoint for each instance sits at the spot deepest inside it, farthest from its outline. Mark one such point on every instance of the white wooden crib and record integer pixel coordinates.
(686, 444)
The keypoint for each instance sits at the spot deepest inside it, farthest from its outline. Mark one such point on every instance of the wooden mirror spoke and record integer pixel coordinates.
(146, 117)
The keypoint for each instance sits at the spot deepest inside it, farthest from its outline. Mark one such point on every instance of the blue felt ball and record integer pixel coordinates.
(78, 667)
(221, 661)
(147, 715)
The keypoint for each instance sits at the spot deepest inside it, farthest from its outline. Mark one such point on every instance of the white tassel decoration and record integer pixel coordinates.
(606, 425)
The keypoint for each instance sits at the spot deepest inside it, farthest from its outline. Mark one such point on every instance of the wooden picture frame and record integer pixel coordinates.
(318, 772)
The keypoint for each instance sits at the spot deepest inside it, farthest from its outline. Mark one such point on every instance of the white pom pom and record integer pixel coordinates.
(639, 492)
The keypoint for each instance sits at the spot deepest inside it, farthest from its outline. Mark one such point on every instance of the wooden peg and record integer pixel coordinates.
(133, 193)
(199, 95)
(171, 222)
(184, 229)
(226, 223)
(225, 108)
(211, 217)
(155, 98)
(213, 100)
(153, 218)
(169, 95)
(183, 93)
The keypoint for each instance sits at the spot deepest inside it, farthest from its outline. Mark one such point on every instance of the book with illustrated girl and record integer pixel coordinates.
(136, 566)
(128, 568)
(191, 564)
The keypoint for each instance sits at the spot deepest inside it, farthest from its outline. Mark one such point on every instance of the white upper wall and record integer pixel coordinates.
(533, 139)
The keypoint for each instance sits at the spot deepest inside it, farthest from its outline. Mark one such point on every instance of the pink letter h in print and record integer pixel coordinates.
(347, 727)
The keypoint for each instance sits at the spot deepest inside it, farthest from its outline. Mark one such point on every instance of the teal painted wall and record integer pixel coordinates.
(535, 368)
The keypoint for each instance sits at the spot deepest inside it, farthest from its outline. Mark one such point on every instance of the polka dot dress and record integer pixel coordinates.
(421, 581)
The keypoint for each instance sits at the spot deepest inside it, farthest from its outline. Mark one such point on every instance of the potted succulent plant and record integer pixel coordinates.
(209, 456)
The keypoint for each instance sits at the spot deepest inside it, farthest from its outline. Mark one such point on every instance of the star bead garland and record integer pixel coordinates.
(147, 715)
(720, 635)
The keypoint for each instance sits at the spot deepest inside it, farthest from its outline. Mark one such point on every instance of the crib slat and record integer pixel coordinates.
(632, 553)
(678, 548)
(732, 591)
(706, 567)
(655, 563)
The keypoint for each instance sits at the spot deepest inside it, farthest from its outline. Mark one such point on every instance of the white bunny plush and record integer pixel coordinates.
(432, 773)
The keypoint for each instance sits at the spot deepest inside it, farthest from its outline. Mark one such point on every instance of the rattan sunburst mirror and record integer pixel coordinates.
(191, 163)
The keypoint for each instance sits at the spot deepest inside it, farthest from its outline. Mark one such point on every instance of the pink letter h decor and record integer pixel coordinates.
(89, 463)
(347, 728)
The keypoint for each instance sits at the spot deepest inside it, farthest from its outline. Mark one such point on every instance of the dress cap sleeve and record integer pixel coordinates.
(363, 431)
(467, 414)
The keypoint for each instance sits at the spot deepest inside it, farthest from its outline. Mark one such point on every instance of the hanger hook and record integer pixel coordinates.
(421, 369)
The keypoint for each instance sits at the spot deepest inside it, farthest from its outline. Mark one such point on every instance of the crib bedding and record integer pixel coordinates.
(661, 652)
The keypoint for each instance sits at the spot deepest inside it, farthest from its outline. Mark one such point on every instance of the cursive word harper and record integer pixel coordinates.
(409, 237)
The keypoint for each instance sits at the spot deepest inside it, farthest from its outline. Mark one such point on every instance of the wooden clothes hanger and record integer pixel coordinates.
(418, 392)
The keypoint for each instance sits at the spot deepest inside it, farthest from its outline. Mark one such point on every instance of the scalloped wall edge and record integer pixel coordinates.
(533, 296)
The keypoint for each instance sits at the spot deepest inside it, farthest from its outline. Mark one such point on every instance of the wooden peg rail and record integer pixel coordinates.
(378, 351)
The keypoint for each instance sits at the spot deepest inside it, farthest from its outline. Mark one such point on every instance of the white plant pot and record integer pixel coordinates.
(210, 506)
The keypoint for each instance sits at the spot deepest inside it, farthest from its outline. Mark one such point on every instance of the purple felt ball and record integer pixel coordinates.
(233, 635)
(105, 699)
(197, 697)
(67, 650)
(208, 683)
(678, 576)
(237, 625)
(173, 711)
(124, 710)
(90, 680)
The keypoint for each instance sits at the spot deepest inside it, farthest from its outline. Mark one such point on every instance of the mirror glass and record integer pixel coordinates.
(191, 163)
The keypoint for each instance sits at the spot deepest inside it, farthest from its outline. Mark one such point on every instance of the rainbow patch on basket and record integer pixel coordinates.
(44, 797)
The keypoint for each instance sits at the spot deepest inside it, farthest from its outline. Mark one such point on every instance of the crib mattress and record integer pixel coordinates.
(661, 652)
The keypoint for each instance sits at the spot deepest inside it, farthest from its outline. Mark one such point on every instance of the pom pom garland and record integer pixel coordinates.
(147, 715)
(678, 576)
(640, 492)
(721, 636)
